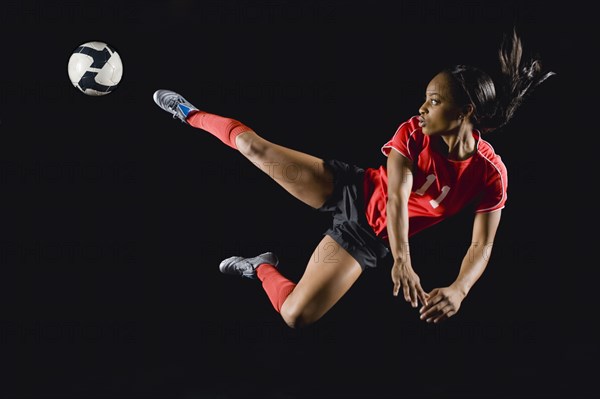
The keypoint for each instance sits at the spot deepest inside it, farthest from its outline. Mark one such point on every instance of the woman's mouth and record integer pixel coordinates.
(422, 122)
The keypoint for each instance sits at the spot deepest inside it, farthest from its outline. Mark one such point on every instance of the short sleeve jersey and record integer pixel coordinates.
(441, 187)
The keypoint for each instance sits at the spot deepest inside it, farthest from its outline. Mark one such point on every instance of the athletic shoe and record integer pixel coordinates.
(246, 267)
(173, 103)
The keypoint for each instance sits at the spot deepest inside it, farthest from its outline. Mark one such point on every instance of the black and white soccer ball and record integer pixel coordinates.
(95, 68)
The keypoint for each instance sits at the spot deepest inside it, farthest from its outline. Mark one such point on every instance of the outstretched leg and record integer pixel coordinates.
(302, 175)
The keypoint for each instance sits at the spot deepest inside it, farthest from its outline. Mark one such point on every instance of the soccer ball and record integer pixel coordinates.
(95, 68)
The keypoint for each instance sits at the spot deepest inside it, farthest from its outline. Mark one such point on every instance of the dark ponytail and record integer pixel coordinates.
(519, 78)
(495, 104)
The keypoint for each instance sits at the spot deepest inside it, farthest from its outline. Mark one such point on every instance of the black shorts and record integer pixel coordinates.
(350, 228)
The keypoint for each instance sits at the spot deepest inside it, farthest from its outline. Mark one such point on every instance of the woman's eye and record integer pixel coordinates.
(432, 100)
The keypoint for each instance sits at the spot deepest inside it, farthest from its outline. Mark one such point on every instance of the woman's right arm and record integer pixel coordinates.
(400, 180)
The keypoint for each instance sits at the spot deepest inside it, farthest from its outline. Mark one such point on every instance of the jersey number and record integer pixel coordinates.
(428, 182)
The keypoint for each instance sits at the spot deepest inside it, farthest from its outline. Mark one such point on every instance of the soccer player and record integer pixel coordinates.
(437, 164)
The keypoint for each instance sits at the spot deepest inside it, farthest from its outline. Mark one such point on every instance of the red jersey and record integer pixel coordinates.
(441, 187)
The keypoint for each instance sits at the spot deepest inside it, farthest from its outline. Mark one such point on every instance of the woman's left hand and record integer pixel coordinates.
(442, 303)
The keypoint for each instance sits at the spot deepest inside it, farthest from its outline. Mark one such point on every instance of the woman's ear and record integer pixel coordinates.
(468, 111)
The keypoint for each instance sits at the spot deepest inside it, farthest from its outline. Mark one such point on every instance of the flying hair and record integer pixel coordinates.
(495, 103)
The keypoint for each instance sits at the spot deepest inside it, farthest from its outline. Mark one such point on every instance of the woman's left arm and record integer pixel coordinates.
(445, 302)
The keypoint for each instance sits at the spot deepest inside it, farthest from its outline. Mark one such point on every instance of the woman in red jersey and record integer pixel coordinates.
(437, 164)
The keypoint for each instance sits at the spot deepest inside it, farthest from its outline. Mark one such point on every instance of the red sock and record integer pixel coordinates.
(226, 129)
(277, 287)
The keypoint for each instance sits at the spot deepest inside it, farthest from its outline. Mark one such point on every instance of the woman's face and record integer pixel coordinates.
(439, 114)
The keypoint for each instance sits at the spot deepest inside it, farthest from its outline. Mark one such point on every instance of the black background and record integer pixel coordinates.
(115, 216)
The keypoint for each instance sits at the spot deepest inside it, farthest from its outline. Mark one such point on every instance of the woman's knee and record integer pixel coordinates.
(251, 145)
(296, 316)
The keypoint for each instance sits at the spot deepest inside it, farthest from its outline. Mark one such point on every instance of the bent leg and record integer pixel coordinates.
(329, 274)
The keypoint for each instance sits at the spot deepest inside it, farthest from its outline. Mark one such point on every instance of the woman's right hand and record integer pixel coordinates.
(403, 276)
